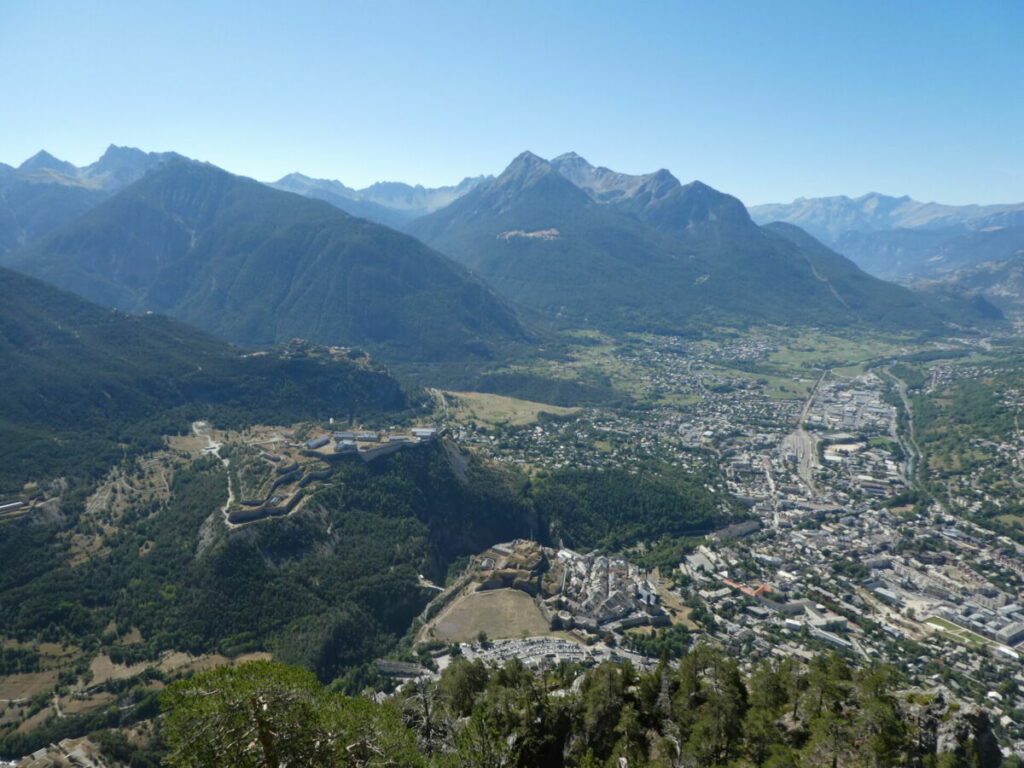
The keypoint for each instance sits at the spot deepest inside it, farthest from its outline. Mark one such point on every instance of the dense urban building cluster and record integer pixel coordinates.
(841, 553)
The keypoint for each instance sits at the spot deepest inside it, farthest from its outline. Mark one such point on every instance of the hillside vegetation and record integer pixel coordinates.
(706, 712)
(655, 255)
(258, 266)
(82, 382)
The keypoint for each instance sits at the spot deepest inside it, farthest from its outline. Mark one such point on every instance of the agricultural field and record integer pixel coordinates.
(817, 350)
(497, 410)
(787, 369)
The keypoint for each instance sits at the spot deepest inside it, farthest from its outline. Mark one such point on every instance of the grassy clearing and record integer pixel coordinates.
(848, 371)
(483, 407)
(103, 669)
(958, 634)
(1014, 521)
(796, 387)
(678, 400)
(501, 613)
(677, 612)
(71, 705)
(812, 349)
(24, 686)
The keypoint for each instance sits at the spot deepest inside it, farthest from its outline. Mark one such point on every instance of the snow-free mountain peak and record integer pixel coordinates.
(524, 166)
(591, 246)
(44, 161)
(385, 202)
(259, 266)
(605, 185)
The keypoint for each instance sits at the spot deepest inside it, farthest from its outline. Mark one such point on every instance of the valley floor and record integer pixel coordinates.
(819, 442)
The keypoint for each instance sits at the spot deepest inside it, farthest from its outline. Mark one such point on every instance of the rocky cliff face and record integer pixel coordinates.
(968, 735)
(951, 728)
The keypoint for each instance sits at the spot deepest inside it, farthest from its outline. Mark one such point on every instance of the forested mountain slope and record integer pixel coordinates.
(648, 253)
(258, 266)
(79, 378)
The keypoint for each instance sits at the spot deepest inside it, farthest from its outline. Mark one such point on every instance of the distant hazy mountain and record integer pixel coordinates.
(999, 282)
(117, 168)
(388, 202)
(340, 196)
(901, 238)
(829, 217)
(44, 161)
(44, 192)
(121, 166)
(602, 184)
(600, 248)
(258, 266)
(77, 376)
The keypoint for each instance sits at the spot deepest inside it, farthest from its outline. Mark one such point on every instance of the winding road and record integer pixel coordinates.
(202, 429)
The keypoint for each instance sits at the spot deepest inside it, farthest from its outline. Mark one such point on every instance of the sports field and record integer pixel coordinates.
(501, 613)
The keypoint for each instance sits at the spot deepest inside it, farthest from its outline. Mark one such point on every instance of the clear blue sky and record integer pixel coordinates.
(765, 99)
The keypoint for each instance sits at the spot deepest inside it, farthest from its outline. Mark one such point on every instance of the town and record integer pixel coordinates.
(838, 552)
(834, 548)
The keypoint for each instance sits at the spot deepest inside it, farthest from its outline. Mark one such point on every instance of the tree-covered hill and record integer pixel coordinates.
(330, 587)
(648, 253)
(78, 379)
(886, 301)
(614, 509)
(706, 712)
(258, 266)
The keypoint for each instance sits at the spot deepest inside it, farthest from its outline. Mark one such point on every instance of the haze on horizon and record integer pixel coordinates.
(766, 101)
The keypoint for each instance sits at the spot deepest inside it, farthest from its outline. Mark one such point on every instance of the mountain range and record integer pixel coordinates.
(898, 238)
(593, 247)
(44, 192)
(999, 282)
(258, 266)
(561, 240)
(387, 202)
